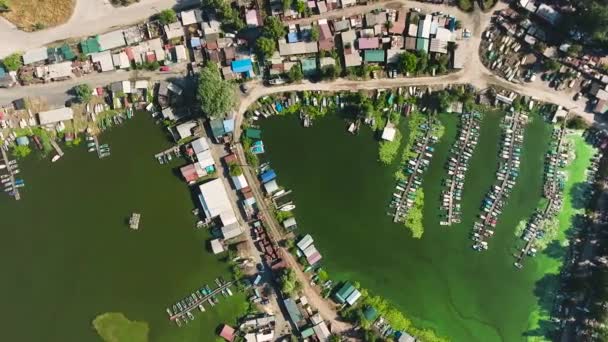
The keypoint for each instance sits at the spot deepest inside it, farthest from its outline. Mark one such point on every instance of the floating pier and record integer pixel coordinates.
(134, 221)
(15, 191)
(181, 309)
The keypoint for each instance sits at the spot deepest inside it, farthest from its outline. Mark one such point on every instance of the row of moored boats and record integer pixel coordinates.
(181, 312)
(513, 127)
(457, 167)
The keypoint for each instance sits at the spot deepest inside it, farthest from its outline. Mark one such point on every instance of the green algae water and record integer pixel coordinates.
(342, 191)
(67, 254)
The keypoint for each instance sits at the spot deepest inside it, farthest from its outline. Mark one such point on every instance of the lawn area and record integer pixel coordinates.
(115, 327)
(33, 15)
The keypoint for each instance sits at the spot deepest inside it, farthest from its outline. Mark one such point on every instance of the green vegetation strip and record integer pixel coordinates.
(115, 327)
(413, 219)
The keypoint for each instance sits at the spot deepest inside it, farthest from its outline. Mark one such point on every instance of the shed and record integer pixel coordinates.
(252, 18)
(353, 297)
(232, 230)
(184, 130)
(410, 43)
(217, 128)
(104, 60)
(267, 176)
(199, 145)
(403, 336)
(180, 53)
(295, 316)
(22, 140)
(227, 333)
(370, 313)
(243, 66)
(66, 52)
(190, 17)
(322, 331)
(239, 181)
(192, 172)
(271, 186)
(305, 242)
(306, 333)
(90, 45)
(374, 56)
(346, 290)
(368, 43)
(309, 66)
(215, 202)
(253, 133)
(173, 30)
(216, 246)
(228, 125)
(35, 55)
(55, 115)
(438, 46)
(457, 59)
(290, 223)
(389, 132)
(111, 40)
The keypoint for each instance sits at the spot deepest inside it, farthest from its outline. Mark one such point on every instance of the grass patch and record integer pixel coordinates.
(115, 327)
(387, 150)
(414, 216)
(33, 15)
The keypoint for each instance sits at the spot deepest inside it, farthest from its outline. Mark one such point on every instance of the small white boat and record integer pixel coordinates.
(92, 149)
(55, 158)
(288, 207)
(2, 166)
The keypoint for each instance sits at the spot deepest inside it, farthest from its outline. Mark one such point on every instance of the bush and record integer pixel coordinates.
(577, 122)
(465, 5)
(83, 92)
(12, 62)
(167, 16)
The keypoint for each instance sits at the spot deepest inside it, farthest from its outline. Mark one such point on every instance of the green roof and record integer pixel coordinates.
(67, 52)
(422, 44)
(90, 45)
(253, 133)
(346, 290)
(309, 65)
(370, 313)
(374, 56)
(217, 127)
(308, 332)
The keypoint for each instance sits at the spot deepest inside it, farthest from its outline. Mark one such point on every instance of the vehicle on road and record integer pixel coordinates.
(165, 68)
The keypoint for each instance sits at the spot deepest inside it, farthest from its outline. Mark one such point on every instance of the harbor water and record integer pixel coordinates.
(68, 255)
(342, 192)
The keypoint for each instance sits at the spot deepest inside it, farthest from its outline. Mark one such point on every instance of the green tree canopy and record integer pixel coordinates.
(4, 6)
(83, 92)
(287, 5)
(465, 5)
(12, 62)
(300, 6)
(273, 28)
(21, 151)
(577, 122)
(329, 72)
(423, 61)
(289, 282)
(235, 170)
(167, 16)
(552, 64)
(407, 63)
(265, 46)
(314, 34)
(295, 73)
(217, 96)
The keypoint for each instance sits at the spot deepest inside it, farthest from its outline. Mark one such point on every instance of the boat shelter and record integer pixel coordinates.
(305, 242)
(268, 175)
(215, 202)
(253, 133)
(227, 333)
(232, 230)
(290, 223)
(346, 290)
(216, 246)
(271, 186)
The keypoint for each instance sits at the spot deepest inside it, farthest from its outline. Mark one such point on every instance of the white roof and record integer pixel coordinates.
(444, 34)
(121, 60)
(299, 48)
(326, 61)
(35, 55)
(190, 17)
(215, 201)
(389, 133)
(232, 230)
(216, 246)
(180, 53)
(111, 40)
(353, 297)
(271, 186)
(141, 84)
(322, 331)
(205, 158)
(239, 181)
(199, 145)
(458, 59)
(211, 27)
(104, 59)
(54, 71)
(290, 222)
(305, 242)
(174, 30)
(426, 26)
(265, 337)
(185, 129)
(55, 115)
(310, 250)
(349, 37)
(353, 59)
(126, 87)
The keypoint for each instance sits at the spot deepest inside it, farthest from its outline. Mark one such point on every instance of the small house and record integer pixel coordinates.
(191, 17)
(90, 45)
(35, 56)
(243, 66)
(111, 40)
(374, 56)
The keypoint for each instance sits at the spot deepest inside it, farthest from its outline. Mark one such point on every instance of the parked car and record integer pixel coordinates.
(164, 68)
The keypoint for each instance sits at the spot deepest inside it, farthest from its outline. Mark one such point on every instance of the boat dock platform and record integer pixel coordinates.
(15, 192)
(552, 190)
(492, 205)
(457, 166)
(404, 198)
(134, 221)
(57, 148)
(166, 155)
(181, 310)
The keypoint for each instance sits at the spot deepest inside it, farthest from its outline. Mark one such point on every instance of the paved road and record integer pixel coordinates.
(89, 17)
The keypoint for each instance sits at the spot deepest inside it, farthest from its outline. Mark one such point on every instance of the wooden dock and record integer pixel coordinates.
(200, 301)
(16, 193)
(57, 148)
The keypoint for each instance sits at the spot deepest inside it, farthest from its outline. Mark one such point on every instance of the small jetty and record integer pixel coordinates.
(11, 185)
(405, 195)
(457, 167)
(513, 127)
(180, 312)
(57, 150)
(167, 155)
(554, 181)
(134, 221)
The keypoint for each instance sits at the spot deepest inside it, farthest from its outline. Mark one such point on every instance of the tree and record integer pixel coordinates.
(4, 6)
(335, 338)
(167, 16)
(235, 170)
(329, 72)
(575, 49)
(265, 47)
(577, 122)
(21, 151)
(407, 63)
(442, 63)
(287, 5)
(458, 24)
(301, 7)
(12, 62)
(217, 96)
(83, 92)
(540, 46)
(295, 73)
(423, 61)
(273, 28)
(289, 282)
(465, 5)
(552, 64)
(314, 34)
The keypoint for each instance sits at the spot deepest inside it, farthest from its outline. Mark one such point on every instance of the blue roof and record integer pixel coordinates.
(242, 65)
(268, 176)
(195, 42)
(229, 125)
(23, 141)
(292, 37)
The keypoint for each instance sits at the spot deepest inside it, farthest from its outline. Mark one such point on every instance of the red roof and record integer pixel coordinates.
(189, 173)
(227, 333)
(230, 158)
(129, 52)
(368, 43)
(212, 45)
(326, 45)
(150, 57)
(399, 25)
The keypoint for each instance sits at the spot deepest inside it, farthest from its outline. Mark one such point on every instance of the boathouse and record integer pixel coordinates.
(216, 246)
(271, 186)
(389, 132)
(344, 292)
(268, 175)
(227, 333)
(290, 223)
(215, 202)
(232, 230)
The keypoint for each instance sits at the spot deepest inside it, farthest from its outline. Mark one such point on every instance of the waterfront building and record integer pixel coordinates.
(344, 292)
(290, 223)
(227, 333)
(232, 230)
(215, 202)
(55, 115)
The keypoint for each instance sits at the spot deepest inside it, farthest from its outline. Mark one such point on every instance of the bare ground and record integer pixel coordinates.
(30, 15)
